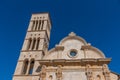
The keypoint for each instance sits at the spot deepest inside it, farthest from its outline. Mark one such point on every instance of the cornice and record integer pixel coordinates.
(75, 62)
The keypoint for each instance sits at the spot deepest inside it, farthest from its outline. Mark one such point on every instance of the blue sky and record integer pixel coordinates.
(97, 21)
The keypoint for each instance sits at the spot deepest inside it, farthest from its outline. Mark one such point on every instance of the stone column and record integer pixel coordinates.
(85, 48)
(59, 49)
(31, 44)
(45, 25)
(39, 44)
(28, 68)
(34, 26)
(42, 25)
(35, 45)
(39, 23)
(59, 73)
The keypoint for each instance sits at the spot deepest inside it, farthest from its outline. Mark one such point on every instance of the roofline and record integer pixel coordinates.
(40, 13)
(115, 73)
(44, 13)
(75, 37)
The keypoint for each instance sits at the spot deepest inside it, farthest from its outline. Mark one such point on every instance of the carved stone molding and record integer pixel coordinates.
(72, 34)
(43, 72)
(106, 72)
(59, 47)
(59, 72)
(89, 72)
(86, 47)
(74, 62)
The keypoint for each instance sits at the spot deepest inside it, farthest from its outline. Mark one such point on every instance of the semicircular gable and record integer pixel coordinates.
(72, 36)
(76, 44)
(94, 52)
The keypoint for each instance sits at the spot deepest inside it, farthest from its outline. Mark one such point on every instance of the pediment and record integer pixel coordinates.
(71, 47)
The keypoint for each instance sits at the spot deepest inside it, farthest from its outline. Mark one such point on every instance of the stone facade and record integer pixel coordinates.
(72, 59)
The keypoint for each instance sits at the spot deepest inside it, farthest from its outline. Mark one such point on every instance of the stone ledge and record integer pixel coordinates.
(26, 75)
(75, 62)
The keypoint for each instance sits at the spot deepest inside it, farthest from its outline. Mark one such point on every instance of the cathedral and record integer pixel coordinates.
(72, 59)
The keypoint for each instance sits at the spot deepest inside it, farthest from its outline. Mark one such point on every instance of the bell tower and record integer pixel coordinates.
(34, 48)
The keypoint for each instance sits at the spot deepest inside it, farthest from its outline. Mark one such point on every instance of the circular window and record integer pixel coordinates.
(72, 53)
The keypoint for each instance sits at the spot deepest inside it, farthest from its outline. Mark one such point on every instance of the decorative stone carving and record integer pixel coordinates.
(89, 73)
(105, 69)
(98, 77)
(50, 77)
(86, 47)
(43, 72)
(72, 34)
(59, 47)
(106, 72)
(59, 72)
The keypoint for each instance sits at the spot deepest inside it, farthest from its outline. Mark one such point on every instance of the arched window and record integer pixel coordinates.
(38, 41)
(29, 43)
(25, 66)
(36, 25)
(33, 25)
(34, 42)
(39, 24)
(42, 24)
(31, 67)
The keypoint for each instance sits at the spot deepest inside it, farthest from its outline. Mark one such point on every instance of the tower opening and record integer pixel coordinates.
(31, 67)
(25, 66)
